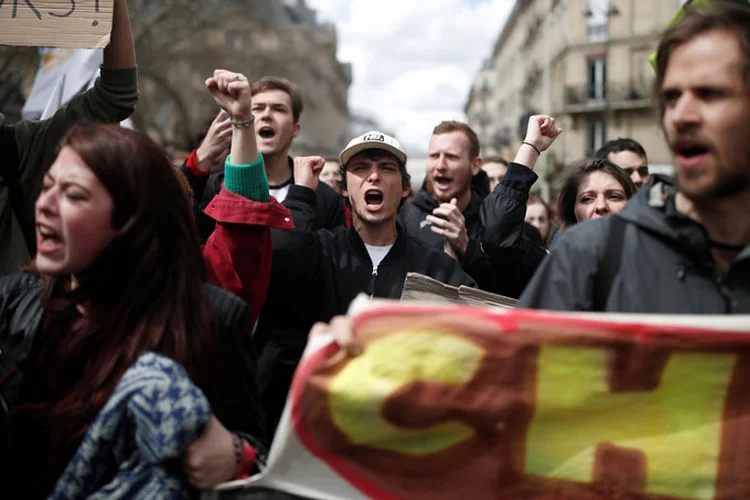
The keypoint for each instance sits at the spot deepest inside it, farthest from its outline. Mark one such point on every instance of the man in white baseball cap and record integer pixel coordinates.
(373, 140)
(325, 269)
(375, 182)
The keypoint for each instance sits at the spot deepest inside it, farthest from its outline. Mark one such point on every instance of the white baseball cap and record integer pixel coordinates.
(373, 140)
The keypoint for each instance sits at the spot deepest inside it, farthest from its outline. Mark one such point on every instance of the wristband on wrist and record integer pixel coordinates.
(244, 455)
(538, 153)
(243, 123)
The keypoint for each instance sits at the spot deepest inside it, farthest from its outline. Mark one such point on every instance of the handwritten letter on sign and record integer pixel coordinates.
(451, 402)
(56, 23)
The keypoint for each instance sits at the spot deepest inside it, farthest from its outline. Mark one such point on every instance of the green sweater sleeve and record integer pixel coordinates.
(247, 180)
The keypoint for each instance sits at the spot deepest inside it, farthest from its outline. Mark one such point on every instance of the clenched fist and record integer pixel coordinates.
(542, 132)
(307, 170)
(231, 91)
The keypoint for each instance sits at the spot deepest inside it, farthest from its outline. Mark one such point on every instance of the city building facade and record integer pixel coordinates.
(586, 62)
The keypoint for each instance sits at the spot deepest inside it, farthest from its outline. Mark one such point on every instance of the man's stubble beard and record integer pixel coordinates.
(726, 184)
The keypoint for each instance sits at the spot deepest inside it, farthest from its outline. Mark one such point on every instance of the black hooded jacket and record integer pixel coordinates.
(664, 265)
(330, 268)
(500, 256)
(322, 272)
(413, 217)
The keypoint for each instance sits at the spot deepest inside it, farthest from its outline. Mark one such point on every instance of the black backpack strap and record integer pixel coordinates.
(10, 161)
(609, 264)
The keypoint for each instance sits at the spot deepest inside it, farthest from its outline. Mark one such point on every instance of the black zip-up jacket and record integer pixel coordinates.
(323, 272)
(500, 256)
(332, 267)
(329, 211)
(665, 264)
(21, 314)
(413, 217)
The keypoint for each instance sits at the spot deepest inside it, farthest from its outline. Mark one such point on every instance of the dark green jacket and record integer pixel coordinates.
(112, 99)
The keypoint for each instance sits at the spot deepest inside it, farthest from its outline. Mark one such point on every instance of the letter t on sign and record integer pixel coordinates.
(676, 427)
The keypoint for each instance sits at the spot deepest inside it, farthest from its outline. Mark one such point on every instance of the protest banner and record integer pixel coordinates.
(56, 23)
(453, 402)
(62, 73)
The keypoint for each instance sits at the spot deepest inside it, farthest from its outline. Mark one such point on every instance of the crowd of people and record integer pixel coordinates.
(128, 281)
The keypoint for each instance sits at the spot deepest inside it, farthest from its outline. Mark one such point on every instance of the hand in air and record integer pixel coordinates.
(231, 92)
(542, 132)
(307, 170)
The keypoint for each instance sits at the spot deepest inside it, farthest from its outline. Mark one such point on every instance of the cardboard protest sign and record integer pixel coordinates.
(56, 23)
(453, 402)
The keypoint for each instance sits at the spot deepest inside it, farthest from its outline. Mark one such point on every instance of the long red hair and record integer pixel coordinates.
(144, 292)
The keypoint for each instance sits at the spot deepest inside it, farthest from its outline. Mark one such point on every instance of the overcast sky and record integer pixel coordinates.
(413, 60)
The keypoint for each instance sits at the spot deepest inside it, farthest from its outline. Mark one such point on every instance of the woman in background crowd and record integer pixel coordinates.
(594, 188)
(539, 215)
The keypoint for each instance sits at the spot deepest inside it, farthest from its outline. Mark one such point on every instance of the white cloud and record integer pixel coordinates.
(413, 61)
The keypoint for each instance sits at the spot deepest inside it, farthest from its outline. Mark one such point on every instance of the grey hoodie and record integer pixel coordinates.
(665, 265)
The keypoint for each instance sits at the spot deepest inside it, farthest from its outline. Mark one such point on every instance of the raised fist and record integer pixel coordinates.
(307, 169)
(542, 131)
(231, 91)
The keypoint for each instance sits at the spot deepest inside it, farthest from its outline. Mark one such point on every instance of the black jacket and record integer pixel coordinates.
(329, 211)
(664, 265)
(21, 316)
(500, 256)
(413, 217)
(323, 271)
(331, 268)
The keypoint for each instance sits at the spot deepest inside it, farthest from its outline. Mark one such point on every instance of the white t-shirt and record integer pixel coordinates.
(377, 254)
(280, 192)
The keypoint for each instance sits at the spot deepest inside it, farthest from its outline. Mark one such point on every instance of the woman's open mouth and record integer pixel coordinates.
(48, 240)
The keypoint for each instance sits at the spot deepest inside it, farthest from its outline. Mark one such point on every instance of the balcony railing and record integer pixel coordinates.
(597, 32)
(626, 95)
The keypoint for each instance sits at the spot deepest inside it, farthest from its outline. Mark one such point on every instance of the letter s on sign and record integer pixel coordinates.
(70, 12)
(359, 391)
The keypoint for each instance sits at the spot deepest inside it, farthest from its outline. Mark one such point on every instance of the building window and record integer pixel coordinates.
(597, 77)
(596, 22)
(597, 134)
